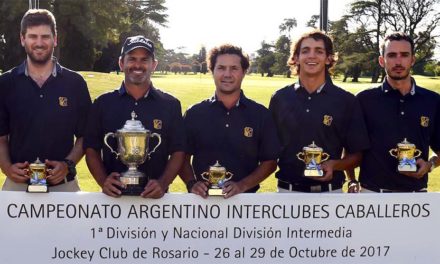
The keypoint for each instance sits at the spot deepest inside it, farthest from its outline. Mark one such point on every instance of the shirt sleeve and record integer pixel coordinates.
(188, 123)
(435, 141)
(269, 148)
(84, 103)
(4, 116)
(357, 139)
(177, 133)
(93, 137)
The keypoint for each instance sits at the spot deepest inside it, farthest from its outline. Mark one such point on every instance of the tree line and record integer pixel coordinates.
(91, 33)
(358, 34)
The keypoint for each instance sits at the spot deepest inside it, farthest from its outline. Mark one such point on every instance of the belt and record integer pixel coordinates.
(68, 178)
(380, 190)
(309, 188)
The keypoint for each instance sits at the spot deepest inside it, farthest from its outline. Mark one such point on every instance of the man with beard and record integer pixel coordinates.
(229, 130)
(399, 111)
(158, 111)
(43, 108)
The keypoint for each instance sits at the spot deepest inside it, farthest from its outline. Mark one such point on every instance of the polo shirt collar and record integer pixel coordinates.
(23, 69)
(386, 87)
(298, 85)
(241, 101)
(151, 93)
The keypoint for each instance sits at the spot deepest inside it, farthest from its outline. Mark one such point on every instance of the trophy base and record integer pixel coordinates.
(313, 173)
(406, 168)
(134, 185)
(36, 188)
(215, 192)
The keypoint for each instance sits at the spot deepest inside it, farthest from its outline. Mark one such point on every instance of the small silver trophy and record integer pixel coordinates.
(133, 141)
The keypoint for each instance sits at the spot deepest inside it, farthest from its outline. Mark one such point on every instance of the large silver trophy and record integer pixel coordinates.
(133, 141)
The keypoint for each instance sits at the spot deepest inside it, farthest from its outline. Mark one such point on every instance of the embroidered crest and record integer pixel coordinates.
(424, 121)
(327, 120)
(157, 124)
(62, 101)
(248, 132)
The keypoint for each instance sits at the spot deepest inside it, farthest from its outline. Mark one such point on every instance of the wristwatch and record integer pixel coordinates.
(71, 167)
(190, 184)
(432, 165)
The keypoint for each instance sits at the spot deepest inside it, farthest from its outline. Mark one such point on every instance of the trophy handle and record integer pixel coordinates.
(158, 144)
(325, 156)
(392, 151)
(205, 174)
(111, 134)
(228, 176)
(299, 155)
(417, 153)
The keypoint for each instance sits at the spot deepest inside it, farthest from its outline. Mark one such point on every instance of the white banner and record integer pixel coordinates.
(248, 228)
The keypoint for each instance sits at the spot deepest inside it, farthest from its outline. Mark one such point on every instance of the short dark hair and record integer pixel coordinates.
(316, 35)
(227, 49)
(38, 17)
(396, 36)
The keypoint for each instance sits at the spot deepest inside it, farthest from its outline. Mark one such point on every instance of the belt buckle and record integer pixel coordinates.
(315, 188)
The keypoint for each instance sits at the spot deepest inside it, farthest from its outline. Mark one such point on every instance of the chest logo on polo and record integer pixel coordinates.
(157, 124)
(424, 121)
(62, 101)
(248, 132)
(327, 120)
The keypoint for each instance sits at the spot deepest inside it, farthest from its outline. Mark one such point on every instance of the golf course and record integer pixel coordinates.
(190, 89)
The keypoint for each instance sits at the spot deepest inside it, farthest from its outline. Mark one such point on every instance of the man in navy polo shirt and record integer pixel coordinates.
(314, 110)
(230, 129)
(159, 112)
(395, 111)
(43, 107)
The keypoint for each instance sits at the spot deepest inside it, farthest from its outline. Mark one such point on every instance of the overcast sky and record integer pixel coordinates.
(246, 23)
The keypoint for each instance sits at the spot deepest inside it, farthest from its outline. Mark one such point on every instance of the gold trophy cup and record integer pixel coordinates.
(217, 176)
(313, 156)
(133, 141)
(37, 173)
(406, 153)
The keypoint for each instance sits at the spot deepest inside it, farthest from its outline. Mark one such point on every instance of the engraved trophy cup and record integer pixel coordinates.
(217, 176)
(133, 148)
(37, 173)
(313, 156)
(406, 153)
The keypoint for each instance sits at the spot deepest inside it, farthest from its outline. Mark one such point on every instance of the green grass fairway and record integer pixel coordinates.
(190, 89)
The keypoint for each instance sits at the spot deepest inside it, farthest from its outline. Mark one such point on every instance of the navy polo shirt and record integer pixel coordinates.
(158, 111)
(239, 138)
(390, 118)
(331, 117)
(42, 122)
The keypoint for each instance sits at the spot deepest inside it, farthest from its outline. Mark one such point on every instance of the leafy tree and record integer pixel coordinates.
(432, 68)
(369, 15)
(265, 59)
(419, 19)
(11, 50)
(354, 55)
(202, 60)
(371, 19)
(281, 55)
(313, 21)
(87, 30)
(288, 25)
